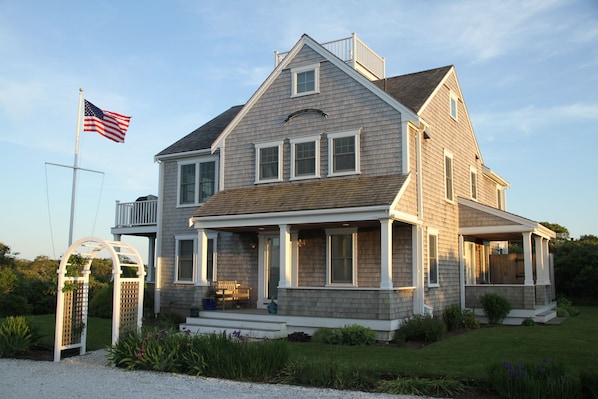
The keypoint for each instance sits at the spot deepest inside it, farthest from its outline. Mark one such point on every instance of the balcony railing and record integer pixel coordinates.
(138, 213)
(354, 52)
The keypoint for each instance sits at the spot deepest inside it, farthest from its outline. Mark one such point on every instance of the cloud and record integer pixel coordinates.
(512, 125)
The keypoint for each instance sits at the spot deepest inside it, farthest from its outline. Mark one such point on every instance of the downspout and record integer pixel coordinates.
(158, 268)
(418, 303)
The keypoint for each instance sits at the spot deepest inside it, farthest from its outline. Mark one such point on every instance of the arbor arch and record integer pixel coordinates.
(72, 299)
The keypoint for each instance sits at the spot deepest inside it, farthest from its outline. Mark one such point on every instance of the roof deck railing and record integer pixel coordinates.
(138, 213)
(355, 53)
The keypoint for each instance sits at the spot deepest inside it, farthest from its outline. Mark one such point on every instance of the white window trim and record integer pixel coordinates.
(306, 68)
(473, 175)
(299, 140)
(329, 233)
(187, 237)
(196, 162)
(331, 137)
(451, 199)
(258, 147)
(455, 98)
(433, 233)
(178, 239)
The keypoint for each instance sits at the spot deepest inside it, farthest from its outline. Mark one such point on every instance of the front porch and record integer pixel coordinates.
(259, 324)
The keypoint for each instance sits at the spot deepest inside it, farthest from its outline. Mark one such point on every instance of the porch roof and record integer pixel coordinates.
(299, 198)
(486, 222)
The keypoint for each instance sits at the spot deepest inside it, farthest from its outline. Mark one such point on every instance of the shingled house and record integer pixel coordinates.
(344, 197)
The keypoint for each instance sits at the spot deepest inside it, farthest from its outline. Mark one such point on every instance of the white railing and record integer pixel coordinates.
(355, 53)
(138, 213)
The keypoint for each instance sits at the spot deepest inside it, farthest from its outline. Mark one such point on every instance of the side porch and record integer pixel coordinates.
(525, 277)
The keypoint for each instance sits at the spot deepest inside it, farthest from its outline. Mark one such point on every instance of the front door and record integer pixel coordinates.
(269, 269)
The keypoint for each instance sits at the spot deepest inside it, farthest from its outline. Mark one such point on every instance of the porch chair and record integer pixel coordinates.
(230, 291)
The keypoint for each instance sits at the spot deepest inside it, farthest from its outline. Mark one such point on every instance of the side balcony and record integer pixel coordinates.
(138, 218)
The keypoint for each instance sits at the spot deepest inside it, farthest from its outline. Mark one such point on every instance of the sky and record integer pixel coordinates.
(528, 71)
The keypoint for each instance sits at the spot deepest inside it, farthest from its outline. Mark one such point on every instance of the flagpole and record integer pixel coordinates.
(75, 169)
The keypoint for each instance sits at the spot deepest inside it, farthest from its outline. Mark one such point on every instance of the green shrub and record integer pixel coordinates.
(216, 355)
(439, 387)
(101, 303)
(348, 335)
(13, 304)
(547, 379)
(470, 320)
(453, 317)
(528, 322)
(17, 335)
(420, 328)
(565, 308)
(589, 384)
(496, 308)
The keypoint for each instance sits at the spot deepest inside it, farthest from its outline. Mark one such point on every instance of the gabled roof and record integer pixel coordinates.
(412, 90)
(306, 40)
(483, 221)
(305, 196)
(202, 137)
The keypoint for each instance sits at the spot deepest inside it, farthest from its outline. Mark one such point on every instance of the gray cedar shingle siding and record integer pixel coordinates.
(305, 196)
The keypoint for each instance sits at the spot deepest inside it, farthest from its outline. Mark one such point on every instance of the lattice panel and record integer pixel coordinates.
(129, 305)
(72, 322)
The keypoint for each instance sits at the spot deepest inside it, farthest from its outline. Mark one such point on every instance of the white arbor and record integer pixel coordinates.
(72, 302)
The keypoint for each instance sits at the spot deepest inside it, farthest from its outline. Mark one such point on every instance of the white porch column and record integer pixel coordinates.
(546, 255)
(542, 268)
(386, 253)
(285, 256)
(462, 270)
(151, 258)
(417, 238)
(202, 260)
(540, 265)
(527, 259)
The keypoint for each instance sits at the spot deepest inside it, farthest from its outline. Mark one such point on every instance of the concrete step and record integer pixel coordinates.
(545, 317)
(249, 328)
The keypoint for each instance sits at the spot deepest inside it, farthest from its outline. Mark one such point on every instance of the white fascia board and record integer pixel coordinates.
(401, 192)
(521, 224)
(406, 218)
(219, 142)
(299, 217)
(489, 173)
(180, 155)
(442, 82)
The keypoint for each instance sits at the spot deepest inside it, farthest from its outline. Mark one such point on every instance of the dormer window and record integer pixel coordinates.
(268, 162)
(306, 80)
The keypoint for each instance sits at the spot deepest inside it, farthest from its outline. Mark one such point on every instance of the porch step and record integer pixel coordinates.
(215, 322)
(545, 316)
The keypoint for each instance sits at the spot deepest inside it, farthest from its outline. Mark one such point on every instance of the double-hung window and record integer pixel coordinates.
(433, 258)
(186, 259)
(448, 176)
(197, 181)
(306, 80)
(474, 183)
(305, 157)
(453, 105)
(343, 153)
(341, 255)
(268, 162)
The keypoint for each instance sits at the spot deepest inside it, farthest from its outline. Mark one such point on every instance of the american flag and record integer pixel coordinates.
(109, 124)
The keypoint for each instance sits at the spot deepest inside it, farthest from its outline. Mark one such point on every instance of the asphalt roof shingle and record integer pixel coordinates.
(305, 196)
(202, 137)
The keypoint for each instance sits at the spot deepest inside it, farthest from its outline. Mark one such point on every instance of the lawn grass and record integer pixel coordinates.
(467, 355)
(99, 331)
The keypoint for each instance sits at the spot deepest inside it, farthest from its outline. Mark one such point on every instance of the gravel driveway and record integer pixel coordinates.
(88, 377)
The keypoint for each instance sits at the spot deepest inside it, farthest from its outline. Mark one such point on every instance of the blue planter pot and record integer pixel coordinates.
(209, 303)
